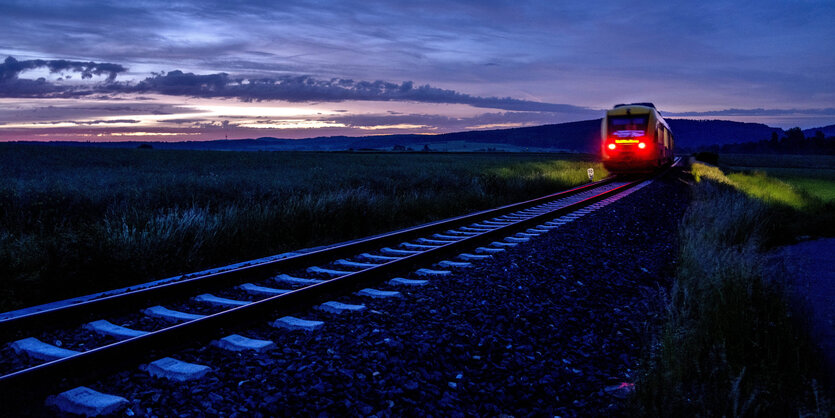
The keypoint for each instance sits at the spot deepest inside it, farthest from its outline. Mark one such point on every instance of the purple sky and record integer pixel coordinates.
(188, 70)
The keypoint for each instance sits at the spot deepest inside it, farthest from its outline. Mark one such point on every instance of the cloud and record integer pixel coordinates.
(305, 88)
(11, 68)
(296, 88)
(11, 85)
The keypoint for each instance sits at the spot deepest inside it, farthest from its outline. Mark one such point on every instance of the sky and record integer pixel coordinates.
(172, 70)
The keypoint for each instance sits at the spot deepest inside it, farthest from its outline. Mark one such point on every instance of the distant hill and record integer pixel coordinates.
(694, 134)
(828, 131)
(582, 136)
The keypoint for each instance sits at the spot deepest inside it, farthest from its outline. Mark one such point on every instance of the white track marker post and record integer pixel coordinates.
(591, 174)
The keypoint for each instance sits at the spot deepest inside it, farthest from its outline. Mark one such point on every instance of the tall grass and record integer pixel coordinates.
(732, 344)
(75, 220)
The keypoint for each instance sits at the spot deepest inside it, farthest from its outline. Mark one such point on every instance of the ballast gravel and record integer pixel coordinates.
(542, 328)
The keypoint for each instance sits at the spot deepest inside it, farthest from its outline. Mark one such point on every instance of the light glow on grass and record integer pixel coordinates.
(756, 184)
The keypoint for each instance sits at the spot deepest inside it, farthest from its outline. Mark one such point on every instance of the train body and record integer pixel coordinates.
(635, 138)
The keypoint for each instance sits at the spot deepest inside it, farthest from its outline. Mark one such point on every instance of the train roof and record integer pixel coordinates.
(646, 104)
(625, 109)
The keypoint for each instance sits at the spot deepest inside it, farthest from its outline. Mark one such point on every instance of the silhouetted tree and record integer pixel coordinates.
(795, 135)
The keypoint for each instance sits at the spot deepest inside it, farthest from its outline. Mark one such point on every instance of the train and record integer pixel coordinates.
(635, 139)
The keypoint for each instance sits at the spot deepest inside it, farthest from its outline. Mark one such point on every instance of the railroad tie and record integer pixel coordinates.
(399, 281)
(292, 323)
(504, 244)
(169, 314)
(464, 233)
(496, 223)
(433, 241)
(472, 257)
(446, 237)
(218, 301)
(104, 327)
(340, 308)
(516, 239)
(455, 264)
(286, 278)
(526, 235)
(237, 342)
(431, 272)
(475, 229)
(379, 294)
(375, 257)
(349, 263)
(329, 272)
(87, 402)
(261, 290)
(486, 227)
(40, 350)
(177, 370)
(487, 250)
(400, 252)
(418, 246)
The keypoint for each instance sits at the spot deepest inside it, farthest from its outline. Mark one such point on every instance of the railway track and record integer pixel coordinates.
(163, 317)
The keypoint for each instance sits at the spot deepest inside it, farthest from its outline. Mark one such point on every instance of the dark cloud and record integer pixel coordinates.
(287, 88)
(307, 89)
(447, 124)
(185, 121)
(11, 68)
(11, 85)
(87, 122)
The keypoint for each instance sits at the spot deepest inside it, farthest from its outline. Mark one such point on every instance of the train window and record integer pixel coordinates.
(628, 126)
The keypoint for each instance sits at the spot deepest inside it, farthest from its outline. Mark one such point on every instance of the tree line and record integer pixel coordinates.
(793, 141)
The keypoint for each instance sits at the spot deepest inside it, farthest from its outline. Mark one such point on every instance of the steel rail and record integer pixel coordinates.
(45, 377)
(131, 300)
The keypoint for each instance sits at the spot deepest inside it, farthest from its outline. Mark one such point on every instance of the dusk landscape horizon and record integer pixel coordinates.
(82, 71)
(427, 208)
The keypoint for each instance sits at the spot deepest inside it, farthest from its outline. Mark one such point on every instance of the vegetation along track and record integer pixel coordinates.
(32, 365)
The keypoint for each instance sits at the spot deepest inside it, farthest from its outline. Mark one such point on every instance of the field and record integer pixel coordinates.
(78, 220)
(734, 343)
(811, 174)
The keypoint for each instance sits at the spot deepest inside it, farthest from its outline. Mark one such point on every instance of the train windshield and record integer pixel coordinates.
(628, 126)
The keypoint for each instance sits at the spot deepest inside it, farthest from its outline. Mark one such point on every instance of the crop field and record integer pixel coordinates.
(78, 220)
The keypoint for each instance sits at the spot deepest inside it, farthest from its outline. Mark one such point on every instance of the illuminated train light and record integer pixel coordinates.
(642, 145)
(611, 146)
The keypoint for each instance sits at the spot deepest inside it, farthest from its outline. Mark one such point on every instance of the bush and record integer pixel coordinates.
(732, 345)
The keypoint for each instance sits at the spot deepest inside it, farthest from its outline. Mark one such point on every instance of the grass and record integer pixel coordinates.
(821, 189)
(79, 220)
(733, 344)
(813, 175)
